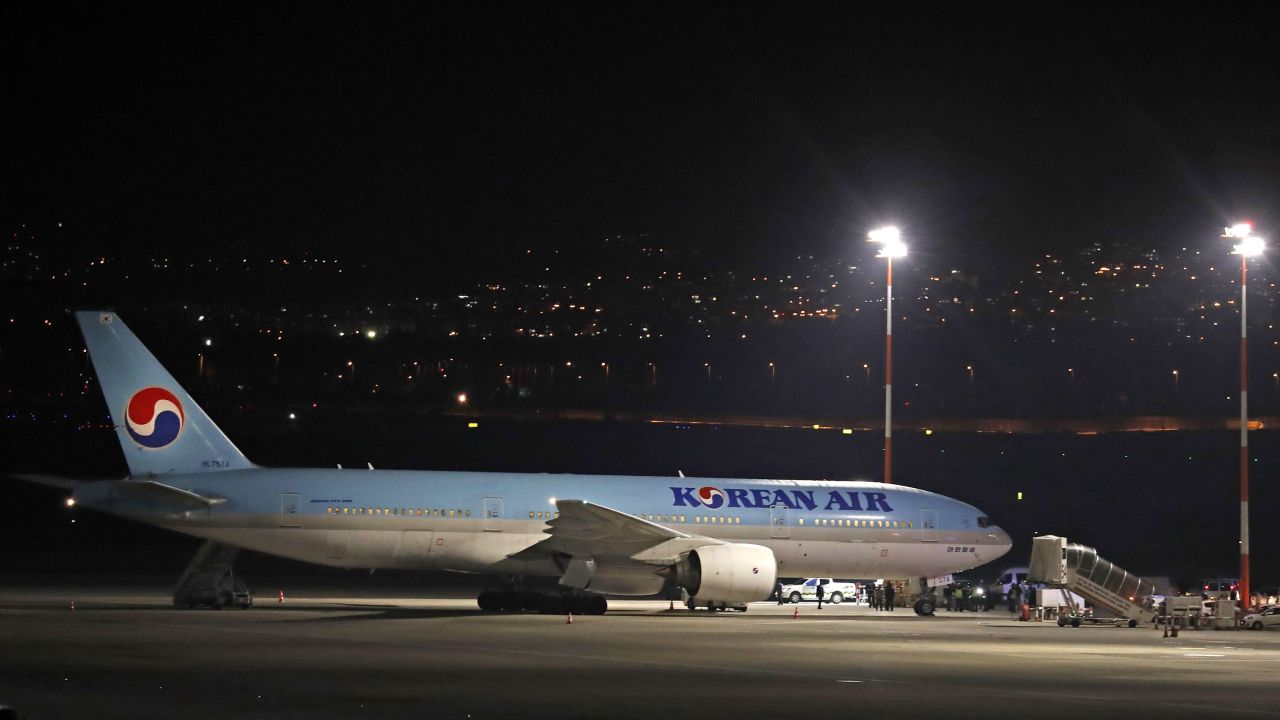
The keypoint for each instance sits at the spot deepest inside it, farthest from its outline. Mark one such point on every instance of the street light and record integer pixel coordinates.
(1249, 246)
(891, 246)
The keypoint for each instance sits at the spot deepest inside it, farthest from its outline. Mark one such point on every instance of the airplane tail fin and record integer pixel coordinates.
(161, 428)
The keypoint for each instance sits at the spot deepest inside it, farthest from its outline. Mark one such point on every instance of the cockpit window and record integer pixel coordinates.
(984, 521)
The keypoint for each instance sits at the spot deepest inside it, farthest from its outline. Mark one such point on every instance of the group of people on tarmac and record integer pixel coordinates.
(881, 597)
(960, 597)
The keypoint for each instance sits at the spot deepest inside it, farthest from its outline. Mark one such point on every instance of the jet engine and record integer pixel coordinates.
(731, 573)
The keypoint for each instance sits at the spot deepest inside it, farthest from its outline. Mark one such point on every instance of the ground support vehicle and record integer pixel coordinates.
(833, 591)
(218, 591)
(1079, 569)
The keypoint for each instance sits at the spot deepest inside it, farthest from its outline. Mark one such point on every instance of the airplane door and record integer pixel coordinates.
(780, 521)
(928, 526)
(290, 510)
(493, 514)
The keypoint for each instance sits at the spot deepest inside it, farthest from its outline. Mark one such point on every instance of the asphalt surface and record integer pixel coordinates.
(123, 652)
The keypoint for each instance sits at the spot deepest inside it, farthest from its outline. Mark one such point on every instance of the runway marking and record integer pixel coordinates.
(850, 681)
(1201, 655)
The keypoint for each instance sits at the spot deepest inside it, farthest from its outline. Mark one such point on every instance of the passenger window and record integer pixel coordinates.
(681, 518)
(530, 514)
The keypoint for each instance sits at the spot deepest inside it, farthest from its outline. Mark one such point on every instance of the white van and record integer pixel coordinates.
(1011, 576)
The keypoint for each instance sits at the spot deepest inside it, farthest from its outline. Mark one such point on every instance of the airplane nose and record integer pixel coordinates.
(1001, 539)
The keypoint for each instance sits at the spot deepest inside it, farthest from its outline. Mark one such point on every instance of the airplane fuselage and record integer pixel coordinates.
(475, 522)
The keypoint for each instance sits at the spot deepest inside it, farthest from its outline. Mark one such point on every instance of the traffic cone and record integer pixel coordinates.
(671, 604)
(569, 619)
(282, 596)
(796, 615)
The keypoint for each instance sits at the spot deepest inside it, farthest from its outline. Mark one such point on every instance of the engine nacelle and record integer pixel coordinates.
(732, 573)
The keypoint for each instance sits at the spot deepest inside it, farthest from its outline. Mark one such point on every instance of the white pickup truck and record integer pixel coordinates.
(833, 591)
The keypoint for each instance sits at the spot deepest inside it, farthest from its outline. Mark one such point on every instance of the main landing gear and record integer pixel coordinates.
(494, 600)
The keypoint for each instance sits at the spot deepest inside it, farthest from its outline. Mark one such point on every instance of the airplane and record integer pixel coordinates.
(722, 542)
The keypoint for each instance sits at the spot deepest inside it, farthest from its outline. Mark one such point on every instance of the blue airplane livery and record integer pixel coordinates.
(721, 542)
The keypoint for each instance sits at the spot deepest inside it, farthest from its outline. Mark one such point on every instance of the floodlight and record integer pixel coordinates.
(1250, 246)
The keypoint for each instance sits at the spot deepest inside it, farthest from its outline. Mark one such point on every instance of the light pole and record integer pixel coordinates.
(891, 246)
(1250, 245)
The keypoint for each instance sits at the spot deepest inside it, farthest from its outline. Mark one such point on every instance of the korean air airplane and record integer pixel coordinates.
(723, 541)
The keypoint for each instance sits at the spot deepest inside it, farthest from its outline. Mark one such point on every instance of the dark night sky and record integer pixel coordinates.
(470, 128)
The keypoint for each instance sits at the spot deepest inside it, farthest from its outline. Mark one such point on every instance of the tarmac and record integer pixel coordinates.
(123, 652)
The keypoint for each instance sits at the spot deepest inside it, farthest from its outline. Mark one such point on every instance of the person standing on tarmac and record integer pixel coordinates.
(820, 591)
(889, 592)
(1014, 593)
(948, 593)
(777, 589)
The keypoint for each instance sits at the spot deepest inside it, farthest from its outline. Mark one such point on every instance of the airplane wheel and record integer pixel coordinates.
(1075, 622)
(1062, 621)
(1133, 623)
(597, 606)
(924, 607)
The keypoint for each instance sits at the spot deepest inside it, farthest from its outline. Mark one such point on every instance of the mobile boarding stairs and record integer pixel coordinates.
(1078, 569)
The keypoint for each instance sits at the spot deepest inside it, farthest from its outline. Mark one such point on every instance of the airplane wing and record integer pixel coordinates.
(586, 529)
(149, 490)
(48, 480)
(167, 494)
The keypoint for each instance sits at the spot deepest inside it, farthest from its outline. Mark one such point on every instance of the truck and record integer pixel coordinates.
(833, 591)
